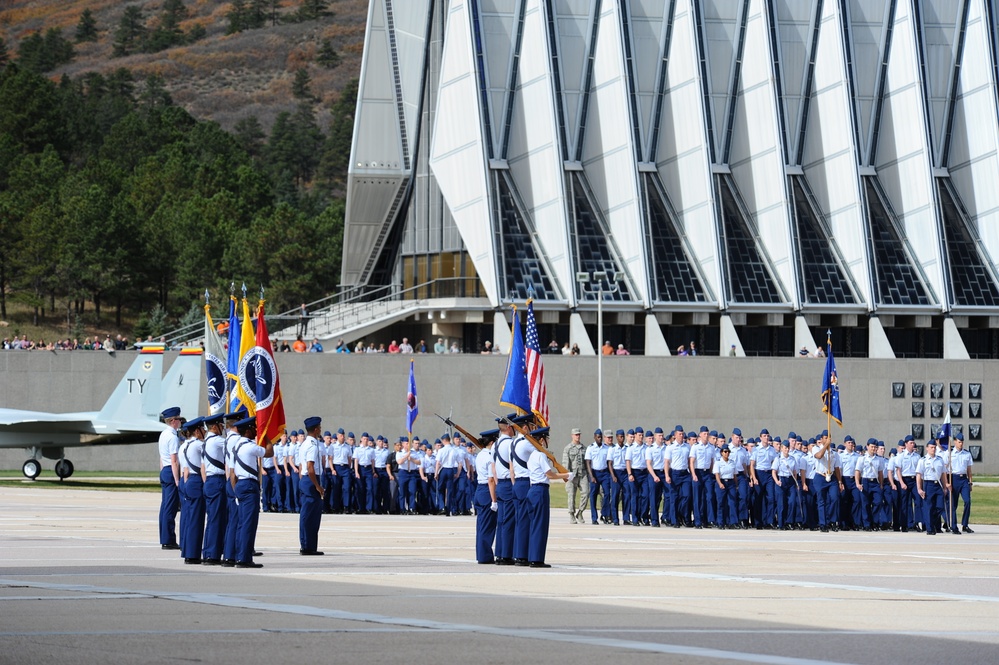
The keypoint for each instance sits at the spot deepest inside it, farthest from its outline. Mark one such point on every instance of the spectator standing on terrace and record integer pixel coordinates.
(440, 347)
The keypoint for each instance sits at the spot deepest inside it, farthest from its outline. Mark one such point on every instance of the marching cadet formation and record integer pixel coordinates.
(219, 479)
(705, 479)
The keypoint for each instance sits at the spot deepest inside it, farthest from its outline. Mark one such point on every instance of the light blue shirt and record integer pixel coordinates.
(931, 468)
(679, 456)
(764, 457)
(501, 455)
(598, 459)
(908, 461)
(214, 448)
(850, 461)
(340, 452)
(960, 462)
(365, 456)
(617, 457)
(703, 455)
(537, 464)
(656, 455)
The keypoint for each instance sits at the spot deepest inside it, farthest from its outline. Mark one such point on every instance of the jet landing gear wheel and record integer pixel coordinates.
(64, 469)
(31, 468)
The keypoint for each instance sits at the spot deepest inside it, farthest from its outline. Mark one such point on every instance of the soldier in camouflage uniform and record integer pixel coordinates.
(572, 459)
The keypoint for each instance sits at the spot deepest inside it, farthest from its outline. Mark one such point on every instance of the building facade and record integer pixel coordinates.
(739, 172)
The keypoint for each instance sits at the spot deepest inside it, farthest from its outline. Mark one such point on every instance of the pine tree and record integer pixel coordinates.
(168, 33)
(86, 29)
(131, 32)
(250, 135)
(4, 57)
(236, 17)
(310, 10)
(300, 86)
(327, 57)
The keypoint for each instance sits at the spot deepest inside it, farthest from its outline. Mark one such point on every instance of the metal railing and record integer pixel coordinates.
(356, 303)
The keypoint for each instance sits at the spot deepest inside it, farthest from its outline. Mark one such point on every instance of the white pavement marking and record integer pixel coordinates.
(406, 622)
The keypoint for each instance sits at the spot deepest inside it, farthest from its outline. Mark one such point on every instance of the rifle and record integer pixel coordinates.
(464, 432)
(534, 442)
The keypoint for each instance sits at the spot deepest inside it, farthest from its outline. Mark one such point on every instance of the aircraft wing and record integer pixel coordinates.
(16, 420)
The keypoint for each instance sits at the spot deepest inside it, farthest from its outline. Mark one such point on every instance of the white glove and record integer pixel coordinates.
(572, 474)
(494, 506)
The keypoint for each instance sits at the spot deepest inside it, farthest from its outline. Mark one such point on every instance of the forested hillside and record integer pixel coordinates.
(149, 150)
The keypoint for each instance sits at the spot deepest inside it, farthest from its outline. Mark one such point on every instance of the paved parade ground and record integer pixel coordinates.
(83, 580)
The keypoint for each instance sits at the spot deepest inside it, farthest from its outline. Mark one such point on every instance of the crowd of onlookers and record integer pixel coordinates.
(299, 346)
(22, 343)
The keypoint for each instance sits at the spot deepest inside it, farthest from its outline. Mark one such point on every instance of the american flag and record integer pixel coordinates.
(535, 370)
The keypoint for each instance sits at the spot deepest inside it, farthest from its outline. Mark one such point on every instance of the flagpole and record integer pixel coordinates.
(829, 468)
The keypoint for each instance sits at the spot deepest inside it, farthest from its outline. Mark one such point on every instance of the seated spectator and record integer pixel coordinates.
(820, 352)
(621, 351)
(359, 347)
(439, 347)
(405, 347)
(421, 347)
(803, 352)
(607, 349)
(108, 343)
(487, 348)
(284, 346)
(341, 347)
(394, 348)
(371, 348)
(454, 347)
(299, 345)
(316, 346)
(381, 348)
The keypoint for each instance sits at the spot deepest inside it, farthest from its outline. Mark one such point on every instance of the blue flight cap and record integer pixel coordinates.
(736, 431)
(871, 441)
(811, 442)
(725, 448)
(365, 435)
(520, 420)
(350, 435)
(841, 447)
(403, 439)
(327, 434)
(792, 435)
(678, 428)
(340, 431)
(631, 432)
(542, 431)
(639, 430)
(824, 432)
(313, 421)
(301, 432)
(721, 435)
(691, 435)
(848, 438)
(597, 432)
(713, 433)
(246, 422)
(764, 431)
(238, 414)
(488, 433)
(213, 420)
(436, 441)
(659, 430)
(776, 439)
(445, 437)
(192, 425)
(909, 437)
(704, 428)
(892, 452)
(620, 432)
(959, 436)
(170, 412)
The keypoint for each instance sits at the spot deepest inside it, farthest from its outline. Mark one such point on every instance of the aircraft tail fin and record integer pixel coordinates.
(182, 383)
(137, 395)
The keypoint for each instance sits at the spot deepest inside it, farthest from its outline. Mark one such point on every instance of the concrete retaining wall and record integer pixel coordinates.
(366, 393)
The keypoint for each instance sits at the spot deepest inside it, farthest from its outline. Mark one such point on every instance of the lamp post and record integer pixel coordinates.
(597, 282)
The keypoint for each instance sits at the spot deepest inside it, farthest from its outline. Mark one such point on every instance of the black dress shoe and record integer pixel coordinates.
(311, 552)
(211, 562)
(491, 561)
(967, 529)
(539, 564)
(258, 554)
(956, 532)
(192, 562)
(520, 562)
(228, 563)
(248, 564)
(504, 561)
(169, 547)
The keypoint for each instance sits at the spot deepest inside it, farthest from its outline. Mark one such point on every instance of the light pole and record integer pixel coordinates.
(600, 284)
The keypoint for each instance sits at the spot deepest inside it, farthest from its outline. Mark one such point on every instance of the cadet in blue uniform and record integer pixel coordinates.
(311, 490)
(700, 461)
(169, 478)
(485, 498)
(724, 471)
(540, 473)
(960, 474)
(194, 478)
(445, 471)
(246, 482)
(364, 476)
(931, 480)
(783, 472)
(910, 503)
(184, 439)
(760, 466)
(215, 498)
(383, 475)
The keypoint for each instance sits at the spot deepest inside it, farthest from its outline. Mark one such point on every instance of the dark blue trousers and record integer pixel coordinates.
(640, 496)
(485, 525)
(194, 525)
(445, 491)
(341, 488)
(406, 480)
(681, 496)
(248, 492)
(232, 521)
(539, 502)
(215, 517)
(267, 489)
(933, 506)
(506, 519)
(309, 516)
(522, 523)
(366, 490)
(169, 505)
(960, 489)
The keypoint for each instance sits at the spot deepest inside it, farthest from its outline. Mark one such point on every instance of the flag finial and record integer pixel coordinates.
(206, 296)
(244, 290)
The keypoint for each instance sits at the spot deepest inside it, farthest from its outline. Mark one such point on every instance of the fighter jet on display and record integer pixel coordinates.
(131, 414)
